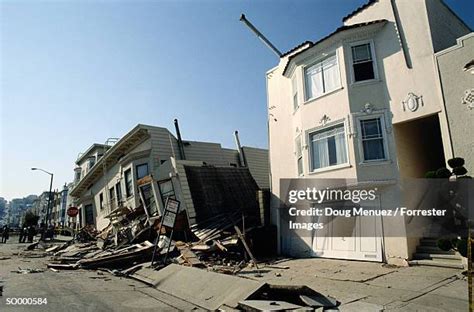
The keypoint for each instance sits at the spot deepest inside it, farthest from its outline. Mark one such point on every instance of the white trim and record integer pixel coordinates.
(321, 129)
(331, 168)
(362, 160)
(374, 62)
(300, 136)
(295, 90)
(459, 44)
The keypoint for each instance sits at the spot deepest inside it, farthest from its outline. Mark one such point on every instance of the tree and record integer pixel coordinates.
(31, 219)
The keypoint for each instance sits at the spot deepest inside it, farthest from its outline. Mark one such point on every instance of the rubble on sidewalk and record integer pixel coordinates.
(28, 271)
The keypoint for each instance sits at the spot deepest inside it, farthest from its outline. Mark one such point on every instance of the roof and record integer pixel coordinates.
(89, 150)
(296, 48)
(111, 156)
(337, 31)
(361, 8)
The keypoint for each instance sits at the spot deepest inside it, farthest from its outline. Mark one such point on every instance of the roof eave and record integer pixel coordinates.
(341, 30)
(131, 139)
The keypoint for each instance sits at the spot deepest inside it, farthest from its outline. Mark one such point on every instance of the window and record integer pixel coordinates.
(142, 171)
(294, 87)
(91, 162)
(148, 198)
(166, 190)
(78, 175)
(128, 183)
(299, 155)
(89, 215)
(322, 77)
(101, 201)
(118, 191)
(372, 139)
(328, 147)
(362, 62)
(112, 193)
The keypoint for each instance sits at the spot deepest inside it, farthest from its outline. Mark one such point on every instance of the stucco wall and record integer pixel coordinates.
(404, 58)
(455, 81)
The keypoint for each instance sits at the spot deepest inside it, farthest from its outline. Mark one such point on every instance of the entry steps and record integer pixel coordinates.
(428, 253)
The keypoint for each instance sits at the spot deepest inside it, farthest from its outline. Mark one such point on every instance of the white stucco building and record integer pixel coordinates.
(363, 103)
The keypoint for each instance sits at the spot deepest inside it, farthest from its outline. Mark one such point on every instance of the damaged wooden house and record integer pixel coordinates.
(149, 164)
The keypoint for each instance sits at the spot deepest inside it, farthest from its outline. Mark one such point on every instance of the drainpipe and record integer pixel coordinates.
(180, 141)
(243, 160)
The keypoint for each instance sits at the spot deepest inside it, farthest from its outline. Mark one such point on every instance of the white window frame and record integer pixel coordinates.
(294, 92)
(381, 116)
(299, 136)
(313, 62)
(374, 62)
(321, 129)
(132, 173)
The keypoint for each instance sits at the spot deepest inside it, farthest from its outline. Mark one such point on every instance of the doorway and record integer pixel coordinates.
(419, 146)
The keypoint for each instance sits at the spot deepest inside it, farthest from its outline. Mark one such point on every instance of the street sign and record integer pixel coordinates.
(169, 219)
(72, 211)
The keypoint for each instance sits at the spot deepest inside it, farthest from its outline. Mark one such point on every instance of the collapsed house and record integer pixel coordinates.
(151, 163)
(121, 191)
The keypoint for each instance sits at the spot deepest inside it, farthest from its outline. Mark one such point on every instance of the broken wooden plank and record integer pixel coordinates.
(242, 239)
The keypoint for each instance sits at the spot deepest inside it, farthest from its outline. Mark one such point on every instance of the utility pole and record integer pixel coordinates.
(49, 197)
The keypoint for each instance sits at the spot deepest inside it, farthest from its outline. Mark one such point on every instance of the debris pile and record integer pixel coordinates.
(217, 244)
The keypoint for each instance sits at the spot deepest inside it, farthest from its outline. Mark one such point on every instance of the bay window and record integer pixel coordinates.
(322, 77)
(328, 147)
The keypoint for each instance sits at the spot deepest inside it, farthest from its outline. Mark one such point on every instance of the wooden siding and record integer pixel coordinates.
(257, 161)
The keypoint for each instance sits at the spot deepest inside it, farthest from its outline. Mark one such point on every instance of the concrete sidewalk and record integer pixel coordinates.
(368, 286)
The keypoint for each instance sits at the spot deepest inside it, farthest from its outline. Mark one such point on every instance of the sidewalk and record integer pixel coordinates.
(367, 286)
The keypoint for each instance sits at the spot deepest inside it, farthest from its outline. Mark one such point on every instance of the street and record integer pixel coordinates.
(79, 290)
(359, 286)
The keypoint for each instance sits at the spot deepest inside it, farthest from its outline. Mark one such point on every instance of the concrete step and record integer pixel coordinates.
(434, 250)
(440, 264)
(435, 256)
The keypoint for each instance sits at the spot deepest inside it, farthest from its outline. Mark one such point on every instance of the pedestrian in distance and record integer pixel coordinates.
(5, 234)
(22, 234)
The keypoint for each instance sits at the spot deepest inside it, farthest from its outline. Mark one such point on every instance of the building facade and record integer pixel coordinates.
(365, 104)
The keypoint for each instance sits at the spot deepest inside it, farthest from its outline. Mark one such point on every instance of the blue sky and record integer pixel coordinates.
(77, 72)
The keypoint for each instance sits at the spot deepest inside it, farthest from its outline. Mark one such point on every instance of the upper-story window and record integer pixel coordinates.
(118, 191)
(363, 66)
(128, 183)
(322, 77)
(142, 171)
(328, 147)
(90, 162)
(294, 91)
(101, 201)
(373, 144)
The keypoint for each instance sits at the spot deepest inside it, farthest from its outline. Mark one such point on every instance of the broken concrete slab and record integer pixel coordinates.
(207, 290)
(319, 301)
(267, 305)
